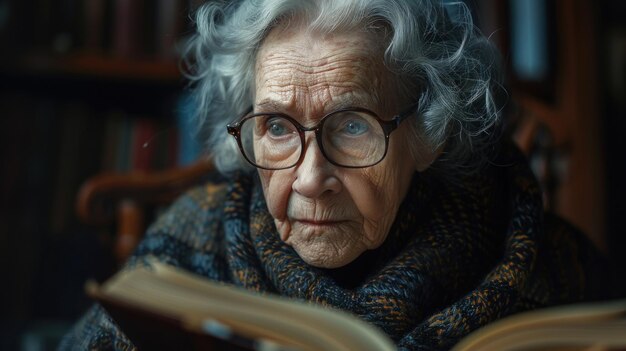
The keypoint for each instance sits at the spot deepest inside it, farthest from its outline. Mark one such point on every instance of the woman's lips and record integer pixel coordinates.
(319, 223)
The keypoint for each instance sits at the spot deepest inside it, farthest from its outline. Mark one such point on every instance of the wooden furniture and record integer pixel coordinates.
(572, 114)
(124, 199)
(575, 120)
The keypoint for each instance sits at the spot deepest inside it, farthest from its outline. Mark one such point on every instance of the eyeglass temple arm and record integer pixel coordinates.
(399, 118)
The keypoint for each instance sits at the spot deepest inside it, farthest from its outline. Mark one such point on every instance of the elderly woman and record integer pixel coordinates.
(365, 170)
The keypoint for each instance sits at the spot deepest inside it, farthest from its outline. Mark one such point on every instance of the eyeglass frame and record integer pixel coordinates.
(388, 127)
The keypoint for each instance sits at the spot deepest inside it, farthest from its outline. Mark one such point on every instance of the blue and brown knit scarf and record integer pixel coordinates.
(458, 256)
(449, 265)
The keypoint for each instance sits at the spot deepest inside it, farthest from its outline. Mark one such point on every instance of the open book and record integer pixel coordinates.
(599, 326)
(162, 307)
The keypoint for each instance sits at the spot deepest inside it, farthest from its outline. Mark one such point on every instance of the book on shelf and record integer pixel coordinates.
(166, 144)
(127, 28)
(93, 21)
(124, 147)
(79, 148)
(112, 139)
(169, 26)
(138, 143)
(158, 305)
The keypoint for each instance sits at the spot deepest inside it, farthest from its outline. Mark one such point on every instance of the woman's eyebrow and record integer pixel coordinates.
(270, 105)
(342, 103)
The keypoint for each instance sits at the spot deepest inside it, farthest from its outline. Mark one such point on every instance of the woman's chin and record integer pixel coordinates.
(326, 262)
(323, 252)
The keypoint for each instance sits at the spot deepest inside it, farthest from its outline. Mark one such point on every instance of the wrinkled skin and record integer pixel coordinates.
(329, 214)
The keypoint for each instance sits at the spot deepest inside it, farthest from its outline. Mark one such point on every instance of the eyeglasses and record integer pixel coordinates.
(352, 137)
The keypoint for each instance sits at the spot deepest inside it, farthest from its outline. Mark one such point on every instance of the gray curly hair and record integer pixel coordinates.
(433, 47)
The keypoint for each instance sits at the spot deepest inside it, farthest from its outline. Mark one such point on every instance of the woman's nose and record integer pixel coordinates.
(314, 174)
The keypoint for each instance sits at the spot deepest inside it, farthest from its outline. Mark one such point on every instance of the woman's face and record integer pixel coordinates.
(329, 214)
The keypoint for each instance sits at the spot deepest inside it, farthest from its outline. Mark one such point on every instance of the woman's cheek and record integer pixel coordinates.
(276, 188)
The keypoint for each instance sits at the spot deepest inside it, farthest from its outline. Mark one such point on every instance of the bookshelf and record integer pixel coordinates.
(95, 66)
(84, 84)
(581, 104)
(562, 94)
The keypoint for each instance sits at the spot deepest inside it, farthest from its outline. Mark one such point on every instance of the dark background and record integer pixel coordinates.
(77, 77)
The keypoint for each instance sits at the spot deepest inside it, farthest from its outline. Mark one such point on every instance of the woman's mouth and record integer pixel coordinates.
(319, 223)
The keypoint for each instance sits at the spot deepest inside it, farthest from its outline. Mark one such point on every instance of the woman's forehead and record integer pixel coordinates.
(298, 70)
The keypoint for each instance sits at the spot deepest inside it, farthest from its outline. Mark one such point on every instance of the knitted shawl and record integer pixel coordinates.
(458, 256)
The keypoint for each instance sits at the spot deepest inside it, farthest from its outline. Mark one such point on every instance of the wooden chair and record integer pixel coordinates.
(546, 157)
(124, 199)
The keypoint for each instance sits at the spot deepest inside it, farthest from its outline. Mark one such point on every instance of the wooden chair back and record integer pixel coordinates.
(123, 199)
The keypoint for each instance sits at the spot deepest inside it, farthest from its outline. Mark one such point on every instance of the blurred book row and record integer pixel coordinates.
(88, 86)
(143, 143)
(126, 29)
(51, 147)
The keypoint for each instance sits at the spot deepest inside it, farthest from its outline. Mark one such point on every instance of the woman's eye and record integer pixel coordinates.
(277, 127)
(355, 127)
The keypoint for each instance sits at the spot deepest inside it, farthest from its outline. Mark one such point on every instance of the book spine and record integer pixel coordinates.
(169, 27)
(127, 28)
(111, 141)
(94, 25)
(80, 144)
(164, 146)
(69, 35)
(123, 156)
